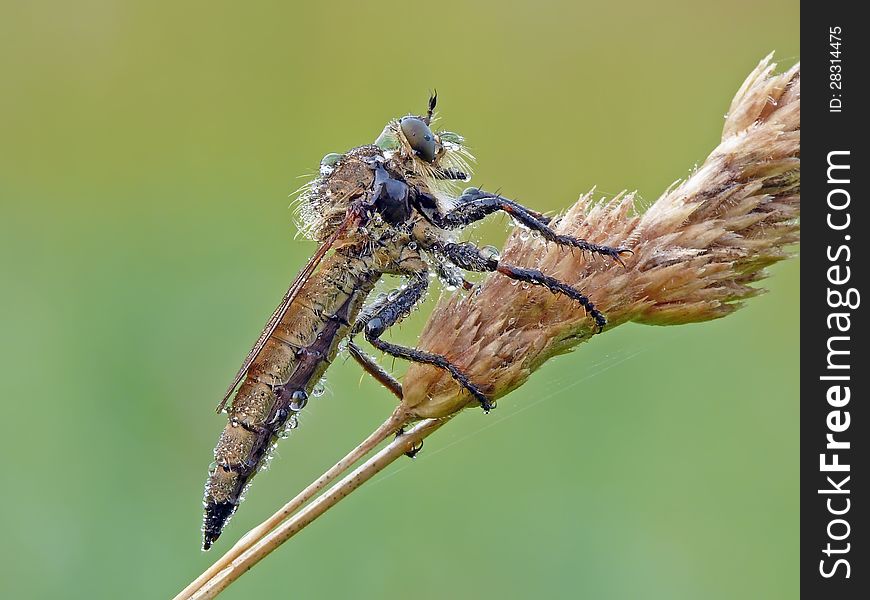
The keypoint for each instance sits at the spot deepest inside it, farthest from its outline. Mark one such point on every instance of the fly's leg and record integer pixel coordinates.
(415, 450)
(452, 276)
(367, 362)
(471, 258)
(475, 204)
(373, 325)
(473, 194)
(371, 367)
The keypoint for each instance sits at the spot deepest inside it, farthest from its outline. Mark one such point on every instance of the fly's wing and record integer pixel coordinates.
(286, 301)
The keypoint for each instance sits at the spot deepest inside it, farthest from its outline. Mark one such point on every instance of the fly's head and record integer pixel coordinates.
(433, 158)
(432, 161)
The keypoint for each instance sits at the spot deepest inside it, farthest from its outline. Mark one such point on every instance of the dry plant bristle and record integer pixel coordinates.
(695, 253)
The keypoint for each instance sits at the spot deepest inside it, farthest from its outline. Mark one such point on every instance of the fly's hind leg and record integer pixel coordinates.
(371, 367)
(390, 312)
(471, 258)
(474, 204)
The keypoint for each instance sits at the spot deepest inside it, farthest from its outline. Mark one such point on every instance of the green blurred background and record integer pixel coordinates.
(146, 153)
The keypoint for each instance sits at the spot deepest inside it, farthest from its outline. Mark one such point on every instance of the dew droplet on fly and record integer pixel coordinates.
(489, 253)
(298, 400)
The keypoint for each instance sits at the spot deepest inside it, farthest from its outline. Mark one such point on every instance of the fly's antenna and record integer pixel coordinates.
(433, 100)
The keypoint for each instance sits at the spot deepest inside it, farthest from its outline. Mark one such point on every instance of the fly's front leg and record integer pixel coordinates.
(472, 194)
(393, 311)
(475, 204)
(471, 258)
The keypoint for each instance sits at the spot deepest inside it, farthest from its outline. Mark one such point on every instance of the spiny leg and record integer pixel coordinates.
(535, 277)
(389, 313)
(370, 366)
(472, 194)
(475, 204)
(428, 358)
(471, 258)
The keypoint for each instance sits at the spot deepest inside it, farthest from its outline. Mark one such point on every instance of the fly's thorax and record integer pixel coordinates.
(343, 178)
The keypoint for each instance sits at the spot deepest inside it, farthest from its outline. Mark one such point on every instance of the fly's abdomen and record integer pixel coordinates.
(277, 387)
(243, 445)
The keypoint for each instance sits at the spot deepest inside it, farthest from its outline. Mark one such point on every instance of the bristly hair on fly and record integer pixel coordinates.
(321, 204)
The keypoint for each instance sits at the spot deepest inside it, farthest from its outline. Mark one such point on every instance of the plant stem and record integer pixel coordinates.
(256, 552)
(386, 429)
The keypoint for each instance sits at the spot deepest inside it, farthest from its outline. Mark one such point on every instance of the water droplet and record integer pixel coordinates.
(412, 245)
(526, 285)
(293, 422)
(512, 321)
(298, 400)
(319, 389)
(514, 282)
(490, 253)
(212, 468)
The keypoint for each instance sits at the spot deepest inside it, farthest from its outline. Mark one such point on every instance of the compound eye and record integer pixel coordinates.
(330, 159)
(420, 137)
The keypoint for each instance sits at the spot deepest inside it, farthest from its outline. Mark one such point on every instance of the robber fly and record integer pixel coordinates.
(380, 209)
